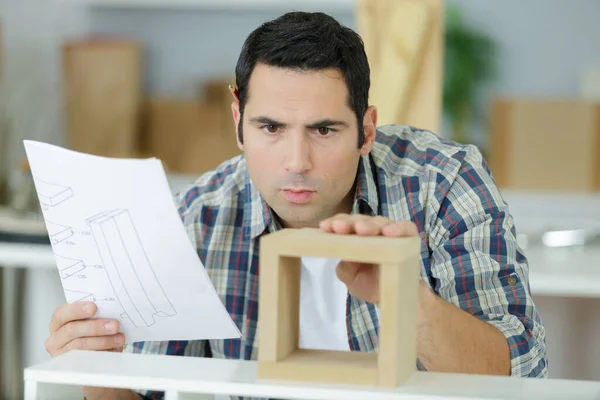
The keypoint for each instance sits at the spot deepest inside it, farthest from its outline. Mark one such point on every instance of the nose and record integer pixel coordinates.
(299, 153)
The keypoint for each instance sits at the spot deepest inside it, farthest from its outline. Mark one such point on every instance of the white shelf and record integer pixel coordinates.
(564, 272)
(181, 377)
(258, 5)
(34, 256)
(553, 272)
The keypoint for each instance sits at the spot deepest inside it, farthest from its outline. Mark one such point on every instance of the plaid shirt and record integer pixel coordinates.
(469, 255)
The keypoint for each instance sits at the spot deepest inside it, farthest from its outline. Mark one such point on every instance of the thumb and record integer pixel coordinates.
(346, 272)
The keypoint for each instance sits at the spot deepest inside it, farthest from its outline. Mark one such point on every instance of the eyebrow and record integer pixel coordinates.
(315, 125)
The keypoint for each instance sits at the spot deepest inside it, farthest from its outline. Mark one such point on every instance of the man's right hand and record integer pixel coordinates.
(72, 329)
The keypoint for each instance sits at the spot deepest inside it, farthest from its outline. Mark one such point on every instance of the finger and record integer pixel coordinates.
(96, 343)
(400, 229)
(335, 222)
(346, 272)
(80, 329)
(371, 226)
(71, 312)
(341, 223)
(347, 224)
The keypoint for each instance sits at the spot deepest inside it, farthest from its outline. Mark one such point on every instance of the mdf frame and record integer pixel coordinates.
(279, 355)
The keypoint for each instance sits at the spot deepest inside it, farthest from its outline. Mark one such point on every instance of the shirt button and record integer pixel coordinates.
(511, 281)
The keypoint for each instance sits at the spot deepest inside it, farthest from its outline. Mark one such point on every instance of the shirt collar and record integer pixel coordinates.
(366, 200)
(258, 216)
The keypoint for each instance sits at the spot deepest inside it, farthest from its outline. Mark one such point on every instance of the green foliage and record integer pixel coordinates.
(469, 61)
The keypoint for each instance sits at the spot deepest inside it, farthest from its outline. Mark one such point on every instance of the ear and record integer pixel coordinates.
(235, 111)
(370, 128)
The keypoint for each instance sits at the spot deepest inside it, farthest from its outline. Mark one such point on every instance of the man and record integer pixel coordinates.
(313, 157)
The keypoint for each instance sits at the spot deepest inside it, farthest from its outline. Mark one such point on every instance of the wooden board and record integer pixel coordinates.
(425, 105)
(216, 92)
(546, 144)
(187, 135)
(102, 96)
(404, 43)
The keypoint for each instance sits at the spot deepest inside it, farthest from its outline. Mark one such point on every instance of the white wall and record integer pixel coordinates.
(185, 47)
(33, 31)
(544, 44)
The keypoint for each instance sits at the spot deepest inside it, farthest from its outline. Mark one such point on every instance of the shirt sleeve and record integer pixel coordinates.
(477, 264)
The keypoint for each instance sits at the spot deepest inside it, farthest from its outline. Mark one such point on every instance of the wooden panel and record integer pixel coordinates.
(545, 144)
(279, 304)
(268, 313)
(187, 135)
(552, 145)
(102, 93)
(324, 366)
(288, 306)
(217, 93)
(404, 43)
(399, 295)
(313, 242)
(425, 105)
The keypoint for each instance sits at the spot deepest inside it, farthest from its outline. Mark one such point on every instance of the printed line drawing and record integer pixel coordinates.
(128, 268)
(68, 266)
(52, 194)
(58, 233)
(79, 296)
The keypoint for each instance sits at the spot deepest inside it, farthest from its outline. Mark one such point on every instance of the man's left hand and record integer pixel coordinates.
(362, 279)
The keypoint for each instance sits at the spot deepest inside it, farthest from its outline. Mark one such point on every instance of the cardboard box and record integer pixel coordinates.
(544, 144)
(187, 135)
(216, 92)
(102, 84)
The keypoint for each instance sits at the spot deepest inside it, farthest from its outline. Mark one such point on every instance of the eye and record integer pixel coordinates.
(324, 131)
(270, 128)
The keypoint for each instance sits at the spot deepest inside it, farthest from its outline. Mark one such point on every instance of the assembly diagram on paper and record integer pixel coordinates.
(128, 268)
(119, 242)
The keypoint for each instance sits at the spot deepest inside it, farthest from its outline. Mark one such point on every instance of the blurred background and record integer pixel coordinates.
(520, 79)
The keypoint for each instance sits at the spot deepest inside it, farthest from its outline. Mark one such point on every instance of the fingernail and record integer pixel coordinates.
(86, 309)
(110, 327)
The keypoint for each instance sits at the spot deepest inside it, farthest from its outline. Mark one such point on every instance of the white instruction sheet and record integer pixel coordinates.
(119, 241)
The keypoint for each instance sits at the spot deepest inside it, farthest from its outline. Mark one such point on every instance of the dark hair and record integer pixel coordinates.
(310, 42)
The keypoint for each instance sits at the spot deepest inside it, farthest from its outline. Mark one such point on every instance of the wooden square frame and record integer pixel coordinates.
(279, 355)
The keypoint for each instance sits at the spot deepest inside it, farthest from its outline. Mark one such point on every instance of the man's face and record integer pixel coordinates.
(300, 141)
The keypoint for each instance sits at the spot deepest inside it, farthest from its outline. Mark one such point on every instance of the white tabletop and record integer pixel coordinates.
(228, 377)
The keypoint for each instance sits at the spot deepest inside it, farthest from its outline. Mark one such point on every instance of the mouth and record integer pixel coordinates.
(298, 196)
